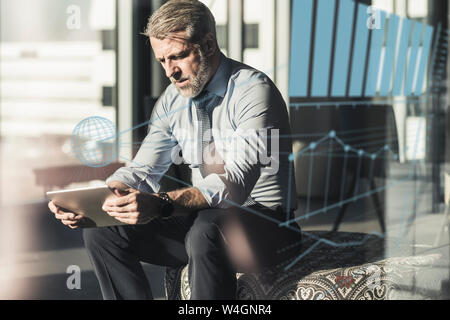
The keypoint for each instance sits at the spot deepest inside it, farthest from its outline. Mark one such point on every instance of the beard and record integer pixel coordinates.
(198, 82)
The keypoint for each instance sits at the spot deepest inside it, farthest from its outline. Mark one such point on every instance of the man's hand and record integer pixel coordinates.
(134, 208)
(120, 189)
(70, 219)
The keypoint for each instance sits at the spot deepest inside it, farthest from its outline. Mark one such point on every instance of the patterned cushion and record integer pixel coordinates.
(331, 266)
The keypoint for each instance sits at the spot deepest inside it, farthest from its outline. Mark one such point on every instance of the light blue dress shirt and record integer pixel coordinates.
(246, 101)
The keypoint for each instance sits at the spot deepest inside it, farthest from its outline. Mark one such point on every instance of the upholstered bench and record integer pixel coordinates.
(331, 266)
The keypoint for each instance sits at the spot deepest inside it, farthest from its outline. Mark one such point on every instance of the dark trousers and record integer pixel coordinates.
(215, 242)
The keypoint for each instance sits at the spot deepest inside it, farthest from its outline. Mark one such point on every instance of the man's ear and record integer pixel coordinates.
(210, 45)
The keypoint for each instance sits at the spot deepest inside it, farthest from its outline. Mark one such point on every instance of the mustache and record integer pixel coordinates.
(173, 80)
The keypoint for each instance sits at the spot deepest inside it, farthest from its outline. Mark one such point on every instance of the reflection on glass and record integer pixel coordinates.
(417, 8)
(386, 5)
(57, 67)
(219, 9)
(259, 35)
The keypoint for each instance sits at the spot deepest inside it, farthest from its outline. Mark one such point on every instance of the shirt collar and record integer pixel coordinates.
(219, 82)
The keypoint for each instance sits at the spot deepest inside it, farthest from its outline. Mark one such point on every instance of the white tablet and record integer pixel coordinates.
(87, 202)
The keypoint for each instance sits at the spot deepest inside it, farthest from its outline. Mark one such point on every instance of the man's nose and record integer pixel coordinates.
(171, 70)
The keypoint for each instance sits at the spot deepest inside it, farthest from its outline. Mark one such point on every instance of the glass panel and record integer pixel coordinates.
(342, 51)
(373, 168)
(417, 8)
(57, 67)
(359, 52)
(301, 29)
(219, 9)
(375, 160)
(322, 50)
(259, 21)
(400, 7)
(385, 5)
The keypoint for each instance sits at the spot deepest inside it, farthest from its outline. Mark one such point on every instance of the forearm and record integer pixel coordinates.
(187, 200)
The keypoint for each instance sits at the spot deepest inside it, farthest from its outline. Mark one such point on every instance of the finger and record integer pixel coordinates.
(132, 207)
(52, 207)
(65, 216)
(70, 213)
(57, 210)
(78, 223)
(69, 222)
(69, 216)
(122, 201)
(123, 215)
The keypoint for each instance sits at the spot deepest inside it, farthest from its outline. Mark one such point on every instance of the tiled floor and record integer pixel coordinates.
(37, 268)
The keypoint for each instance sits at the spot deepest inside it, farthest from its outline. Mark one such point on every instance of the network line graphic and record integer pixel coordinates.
(405, 61)
(348, 150)
(331, 141)
(397, 58)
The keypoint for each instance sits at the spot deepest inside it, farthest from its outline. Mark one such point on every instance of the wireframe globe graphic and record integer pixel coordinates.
(93, 141)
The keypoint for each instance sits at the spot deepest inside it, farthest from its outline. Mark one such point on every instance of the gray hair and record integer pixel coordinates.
(191, 16)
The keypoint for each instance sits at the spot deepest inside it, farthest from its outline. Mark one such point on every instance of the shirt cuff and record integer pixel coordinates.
(135, 179)
(214, 190)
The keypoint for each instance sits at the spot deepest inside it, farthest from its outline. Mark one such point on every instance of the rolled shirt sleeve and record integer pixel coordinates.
(153, 158)
(253, 115)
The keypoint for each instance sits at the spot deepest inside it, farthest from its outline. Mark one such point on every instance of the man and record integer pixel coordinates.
(228, 220)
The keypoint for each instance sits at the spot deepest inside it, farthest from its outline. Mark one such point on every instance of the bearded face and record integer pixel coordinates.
(195, 82)
(185, 64)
